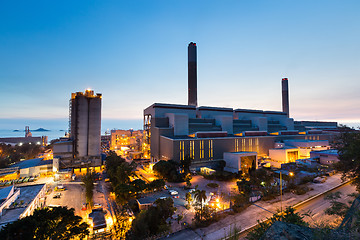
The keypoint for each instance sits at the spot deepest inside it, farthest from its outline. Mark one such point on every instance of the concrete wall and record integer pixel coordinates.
(94, 138)
(226, 123)
(179, 122)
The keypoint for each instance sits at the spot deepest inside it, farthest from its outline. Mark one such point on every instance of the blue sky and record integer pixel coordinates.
(135, 54)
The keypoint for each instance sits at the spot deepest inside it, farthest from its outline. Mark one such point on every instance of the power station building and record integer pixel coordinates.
(83, 147)
(209, 134)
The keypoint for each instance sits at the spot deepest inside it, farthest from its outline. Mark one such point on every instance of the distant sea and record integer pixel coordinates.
(58, 127)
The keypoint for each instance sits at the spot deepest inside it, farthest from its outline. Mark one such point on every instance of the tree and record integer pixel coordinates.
(185, 164)
(188, 198)
(124, 192)
(139, 185)
(88, 180)
(188, 179)
(156, 184)
(336, 207)
(348, 148)
(153, 220)
(200, 196)
(288, 216)
(56, 223)
(168, 170)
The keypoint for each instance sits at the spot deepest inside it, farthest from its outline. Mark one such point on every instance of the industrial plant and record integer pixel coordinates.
(83, 146)
(210, 134)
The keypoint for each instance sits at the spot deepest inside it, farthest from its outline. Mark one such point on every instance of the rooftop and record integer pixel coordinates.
(31, 163)
(27, 195)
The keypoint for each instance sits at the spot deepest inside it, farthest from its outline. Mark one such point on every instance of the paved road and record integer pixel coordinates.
(72, 197)
(317, 206)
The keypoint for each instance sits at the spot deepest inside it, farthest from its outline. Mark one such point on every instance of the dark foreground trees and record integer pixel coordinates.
(288, 216)
(152, 221)
(56, 223)
(88, 181)
(348, 146)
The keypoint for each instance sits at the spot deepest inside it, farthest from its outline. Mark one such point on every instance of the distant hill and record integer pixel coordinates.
(40, 130)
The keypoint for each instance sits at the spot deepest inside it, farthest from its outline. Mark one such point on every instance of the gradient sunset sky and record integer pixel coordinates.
(135, 54)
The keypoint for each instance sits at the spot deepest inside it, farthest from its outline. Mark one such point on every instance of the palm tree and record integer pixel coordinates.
(200, 196)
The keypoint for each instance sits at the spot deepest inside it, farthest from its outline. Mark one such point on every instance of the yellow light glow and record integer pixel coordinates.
(291, 174)
(217, 200)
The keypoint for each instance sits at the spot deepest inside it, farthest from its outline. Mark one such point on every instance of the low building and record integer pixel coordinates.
(28, 199)
(34, 167)
(145, 203)
(240, 161)
(206, 133)
(326, 157)
(284, 155)
(98, 220)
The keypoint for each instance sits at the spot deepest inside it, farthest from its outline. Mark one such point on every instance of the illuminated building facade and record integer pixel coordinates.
(127, 142)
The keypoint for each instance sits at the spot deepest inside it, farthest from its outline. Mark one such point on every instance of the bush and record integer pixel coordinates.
(221, 176)
(213, 185)
(301, 190)
(168, 170)
(306, 179)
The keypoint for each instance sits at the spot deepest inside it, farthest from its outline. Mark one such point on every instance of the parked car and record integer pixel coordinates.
(173, 192)
(57, 195)
(192, 190)
(60, 188)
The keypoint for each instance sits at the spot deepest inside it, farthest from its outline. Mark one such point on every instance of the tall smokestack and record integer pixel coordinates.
(192, 74)
(285, 96)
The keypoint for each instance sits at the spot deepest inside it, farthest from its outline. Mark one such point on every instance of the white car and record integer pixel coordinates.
(173, 192)
(192, 190)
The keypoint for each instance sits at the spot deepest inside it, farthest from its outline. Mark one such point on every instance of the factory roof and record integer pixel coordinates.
(27, 195)
(166, 105)
(4, 192)
(329, 151)
(206, 108)
(31, 163)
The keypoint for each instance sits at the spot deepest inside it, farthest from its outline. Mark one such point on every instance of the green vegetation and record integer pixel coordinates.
(121, 173)
(188, 198)
(185, 165)
(288, 216)
(348, 148)
(152, 221)
(88, 182)
(12, 154)
(57, 223)
(204, 215)
(168, 170)
(337, 208)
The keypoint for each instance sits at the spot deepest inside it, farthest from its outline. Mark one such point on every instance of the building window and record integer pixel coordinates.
(257, 145)
(182, 150)
(236, 145)
(243, 148)
(211, 150)
(192, 150)
(250, 144)
(201, 149)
